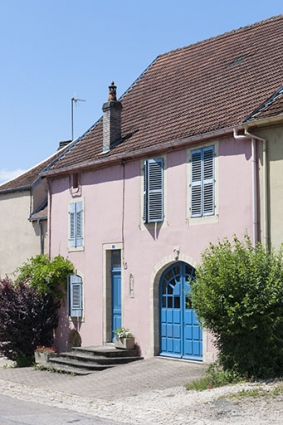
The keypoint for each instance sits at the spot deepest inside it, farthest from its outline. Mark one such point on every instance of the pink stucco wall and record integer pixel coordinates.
(145, 248)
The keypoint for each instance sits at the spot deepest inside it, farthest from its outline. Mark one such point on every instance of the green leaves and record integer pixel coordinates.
(47, 276)
(238, 295)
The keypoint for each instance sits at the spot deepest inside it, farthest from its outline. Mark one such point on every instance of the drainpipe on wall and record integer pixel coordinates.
(254, 184)
(49, 205)
(265, 187)
(40, 237)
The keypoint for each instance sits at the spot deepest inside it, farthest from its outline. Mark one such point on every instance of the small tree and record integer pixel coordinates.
(27, 319)
(28, 308)
(238, 295)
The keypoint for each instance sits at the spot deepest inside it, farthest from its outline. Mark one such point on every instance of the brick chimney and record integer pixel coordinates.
(111, 119)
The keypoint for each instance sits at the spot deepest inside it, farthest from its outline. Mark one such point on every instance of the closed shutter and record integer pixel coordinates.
(202, 182)
(75, 296)
(79, 223)
(145, 173)
(208, 181)
(72, 213)
(76, 224)
(196, 183)
(153, 190)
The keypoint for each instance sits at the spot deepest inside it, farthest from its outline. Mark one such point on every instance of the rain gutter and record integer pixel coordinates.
(106, 161)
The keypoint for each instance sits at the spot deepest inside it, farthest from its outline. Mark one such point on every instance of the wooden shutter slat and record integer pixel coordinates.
(79, 223)
(208, 181)
(196, 183)
(145, 202)
(72, 224)
(75, 296)
(202, 182)
(155, 190)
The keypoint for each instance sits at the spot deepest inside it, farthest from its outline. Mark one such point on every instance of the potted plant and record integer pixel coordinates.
(43, 353)
(124, 339)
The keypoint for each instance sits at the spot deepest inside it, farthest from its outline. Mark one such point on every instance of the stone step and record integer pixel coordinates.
(74, 363)
(68, 369)
(102, 360)
(85, 360)
(105, 351)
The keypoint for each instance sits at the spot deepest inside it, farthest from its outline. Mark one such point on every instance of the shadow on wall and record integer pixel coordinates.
(67, 333)
(74, 340)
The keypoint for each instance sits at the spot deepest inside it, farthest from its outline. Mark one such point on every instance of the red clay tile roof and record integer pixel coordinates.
(29, 178)
(272, 108)
(204, 87)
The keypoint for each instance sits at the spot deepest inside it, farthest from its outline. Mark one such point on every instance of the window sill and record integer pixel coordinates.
(74, 249)
(192, 221)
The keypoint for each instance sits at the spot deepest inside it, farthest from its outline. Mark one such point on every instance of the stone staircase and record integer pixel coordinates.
(86, 360)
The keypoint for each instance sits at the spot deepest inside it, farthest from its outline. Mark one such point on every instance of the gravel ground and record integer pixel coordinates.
(169, 406)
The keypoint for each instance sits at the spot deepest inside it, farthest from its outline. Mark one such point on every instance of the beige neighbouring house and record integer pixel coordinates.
(23, 217)
(265, 124)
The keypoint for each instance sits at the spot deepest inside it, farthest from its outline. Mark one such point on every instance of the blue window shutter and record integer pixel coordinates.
(208, 181)
(76, 224)
(145, 174)
(79, 223)
(202, 182)
(75, 296)
(155, 190)
(72, 212)
(196, 183)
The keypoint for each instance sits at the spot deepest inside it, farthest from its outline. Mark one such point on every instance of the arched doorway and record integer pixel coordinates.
(180, 332)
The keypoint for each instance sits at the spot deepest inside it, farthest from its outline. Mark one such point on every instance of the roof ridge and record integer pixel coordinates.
(225, 34)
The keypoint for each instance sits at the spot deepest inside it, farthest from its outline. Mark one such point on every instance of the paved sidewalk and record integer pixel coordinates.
(121, 381)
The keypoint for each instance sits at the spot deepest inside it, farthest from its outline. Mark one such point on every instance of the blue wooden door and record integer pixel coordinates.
(116, 289)
(180, 332)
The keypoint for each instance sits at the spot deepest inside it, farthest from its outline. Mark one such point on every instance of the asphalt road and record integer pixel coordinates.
(18, 412)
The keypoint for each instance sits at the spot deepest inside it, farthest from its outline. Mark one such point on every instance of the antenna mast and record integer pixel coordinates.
(74, 99)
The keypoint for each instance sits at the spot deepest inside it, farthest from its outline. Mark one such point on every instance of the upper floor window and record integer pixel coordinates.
(76, 224)
(202, 182)
(153, 188)
(75, 180)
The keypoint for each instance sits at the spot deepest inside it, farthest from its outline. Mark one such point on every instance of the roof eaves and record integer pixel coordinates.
(16, 189)
(151, 150)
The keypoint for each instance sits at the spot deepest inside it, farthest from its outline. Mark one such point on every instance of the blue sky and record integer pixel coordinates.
(53, 50)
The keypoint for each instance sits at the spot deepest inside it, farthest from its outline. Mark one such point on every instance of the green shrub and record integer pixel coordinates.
(48, 276)
(238, 295)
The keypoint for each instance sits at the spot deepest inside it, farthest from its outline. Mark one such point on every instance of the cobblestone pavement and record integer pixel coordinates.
(149, 392)
(120, 381)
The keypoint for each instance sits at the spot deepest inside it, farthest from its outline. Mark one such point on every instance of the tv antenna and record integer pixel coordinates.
(74, 100)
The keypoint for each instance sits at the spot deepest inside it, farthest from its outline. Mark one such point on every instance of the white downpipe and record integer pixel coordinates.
(254, 185)
(255, 190)
(265, 194)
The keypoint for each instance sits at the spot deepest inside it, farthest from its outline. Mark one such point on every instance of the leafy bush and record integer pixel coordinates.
(27, 319)
(48, 276)
(238, 294)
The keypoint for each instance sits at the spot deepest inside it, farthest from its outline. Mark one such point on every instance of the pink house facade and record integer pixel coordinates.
(135, 201)
(113, 222)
